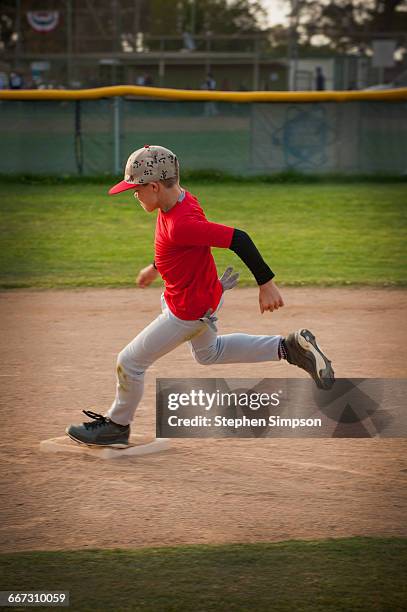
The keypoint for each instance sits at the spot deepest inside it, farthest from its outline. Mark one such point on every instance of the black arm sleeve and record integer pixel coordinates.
(245, 248)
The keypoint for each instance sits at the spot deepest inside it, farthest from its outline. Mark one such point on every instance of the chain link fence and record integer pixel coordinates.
(94, 137)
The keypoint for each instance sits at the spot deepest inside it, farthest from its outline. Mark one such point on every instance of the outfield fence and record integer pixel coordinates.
(89, 132)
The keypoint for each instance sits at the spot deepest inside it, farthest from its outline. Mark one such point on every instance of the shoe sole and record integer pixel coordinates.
(322, 371)
(94, 444)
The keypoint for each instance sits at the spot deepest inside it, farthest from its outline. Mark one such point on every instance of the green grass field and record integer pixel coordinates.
(71, 235)
(67, 235)
(343, 575)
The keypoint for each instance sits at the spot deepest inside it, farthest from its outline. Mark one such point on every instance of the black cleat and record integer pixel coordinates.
(303, 351)
(101, 431)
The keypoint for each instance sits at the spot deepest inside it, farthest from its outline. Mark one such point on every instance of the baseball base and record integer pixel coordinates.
(137, 446)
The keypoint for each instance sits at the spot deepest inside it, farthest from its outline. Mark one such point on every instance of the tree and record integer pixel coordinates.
(7, 19)
(203, 16)
(114, 25)
(346, 25)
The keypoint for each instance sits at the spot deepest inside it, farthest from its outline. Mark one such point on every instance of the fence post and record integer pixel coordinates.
(78, 138)
(116, 135)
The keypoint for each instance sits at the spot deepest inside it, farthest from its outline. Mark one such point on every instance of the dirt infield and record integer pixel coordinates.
(58, 353)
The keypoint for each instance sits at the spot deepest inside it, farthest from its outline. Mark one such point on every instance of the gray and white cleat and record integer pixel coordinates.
(303, 351)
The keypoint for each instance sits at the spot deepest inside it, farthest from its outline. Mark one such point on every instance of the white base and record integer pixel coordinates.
(137, 446)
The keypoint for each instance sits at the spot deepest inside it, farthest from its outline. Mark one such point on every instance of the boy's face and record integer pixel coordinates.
(148, 196)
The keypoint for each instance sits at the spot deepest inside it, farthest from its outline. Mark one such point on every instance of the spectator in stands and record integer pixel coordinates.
(188, 41)
(209, 84)
(16, 80)
(148, 80)
(319, 79)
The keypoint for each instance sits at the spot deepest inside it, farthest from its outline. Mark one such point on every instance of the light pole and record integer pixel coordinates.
(193, 17)
(293, 46)
(68, 5)
(18, 32)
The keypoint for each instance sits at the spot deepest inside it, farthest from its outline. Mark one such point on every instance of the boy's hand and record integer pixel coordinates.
(269, 297)
(146, 276)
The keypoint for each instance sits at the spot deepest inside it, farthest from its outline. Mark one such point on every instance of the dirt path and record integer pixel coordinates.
(58, 352)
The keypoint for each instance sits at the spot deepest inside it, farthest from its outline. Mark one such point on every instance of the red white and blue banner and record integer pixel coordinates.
(43, 21)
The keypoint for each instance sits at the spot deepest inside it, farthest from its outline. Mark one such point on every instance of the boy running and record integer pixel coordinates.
(193, 294)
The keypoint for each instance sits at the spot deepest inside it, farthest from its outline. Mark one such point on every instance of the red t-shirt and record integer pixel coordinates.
(183, 237)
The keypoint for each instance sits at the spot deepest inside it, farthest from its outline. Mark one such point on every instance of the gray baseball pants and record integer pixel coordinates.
(163, 335)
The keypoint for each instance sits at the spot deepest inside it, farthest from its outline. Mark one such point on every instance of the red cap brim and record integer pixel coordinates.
(122, 186)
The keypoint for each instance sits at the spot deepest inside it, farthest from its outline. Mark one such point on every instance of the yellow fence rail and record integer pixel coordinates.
(202, 95)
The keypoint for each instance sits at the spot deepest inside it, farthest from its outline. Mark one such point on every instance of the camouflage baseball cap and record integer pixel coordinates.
(148, 164)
